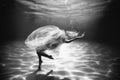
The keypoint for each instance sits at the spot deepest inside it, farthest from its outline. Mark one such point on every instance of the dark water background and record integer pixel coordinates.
(17, 25)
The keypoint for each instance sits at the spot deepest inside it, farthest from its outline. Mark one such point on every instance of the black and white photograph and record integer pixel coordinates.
(59, 40)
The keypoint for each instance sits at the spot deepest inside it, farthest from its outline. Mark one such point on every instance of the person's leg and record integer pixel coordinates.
(40, 60)
(40, 54)
(46, 55)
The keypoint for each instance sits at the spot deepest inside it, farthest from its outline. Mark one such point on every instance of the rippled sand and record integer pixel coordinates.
(73, 61)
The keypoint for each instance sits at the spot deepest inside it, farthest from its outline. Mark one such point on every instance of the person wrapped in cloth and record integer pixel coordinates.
(49, 37)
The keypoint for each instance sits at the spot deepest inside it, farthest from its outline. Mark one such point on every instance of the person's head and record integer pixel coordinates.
(72, 34)
(68, 34)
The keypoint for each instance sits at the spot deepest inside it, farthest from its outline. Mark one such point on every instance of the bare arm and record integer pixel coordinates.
(78, 37)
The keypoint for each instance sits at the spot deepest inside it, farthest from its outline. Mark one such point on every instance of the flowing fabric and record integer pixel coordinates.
(46, 35)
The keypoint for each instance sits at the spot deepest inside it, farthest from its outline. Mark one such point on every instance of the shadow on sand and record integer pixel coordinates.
(35, 76)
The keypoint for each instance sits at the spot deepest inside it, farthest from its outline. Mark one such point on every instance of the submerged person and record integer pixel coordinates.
(49, 37)
(52, 45)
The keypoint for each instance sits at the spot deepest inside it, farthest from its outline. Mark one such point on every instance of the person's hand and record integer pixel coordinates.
(83, 34)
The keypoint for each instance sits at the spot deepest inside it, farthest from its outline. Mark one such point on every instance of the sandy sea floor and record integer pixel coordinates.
(74, 61)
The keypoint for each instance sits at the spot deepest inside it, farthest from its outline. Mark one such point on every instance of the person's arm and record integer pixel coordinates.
(78, 37)
(70, 40)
